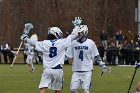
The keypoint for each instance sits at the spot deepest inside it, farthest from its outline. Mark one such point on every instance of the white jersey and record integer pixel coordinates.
(83, 55)
(53, 51)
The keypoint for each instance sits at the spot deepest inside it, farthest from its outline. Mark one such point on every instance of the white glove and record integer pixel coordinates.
(24, 37)
(137, 65)
(104, 67)
(25, 34)
(77, 21)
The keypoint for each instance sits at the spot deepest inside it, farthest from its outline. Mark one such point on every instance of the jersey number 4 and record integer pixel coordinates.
(53, 52)
(81, 55)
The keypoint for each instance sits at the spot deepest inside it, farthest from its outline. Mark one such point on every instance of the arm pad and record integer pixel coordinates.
(30, 41)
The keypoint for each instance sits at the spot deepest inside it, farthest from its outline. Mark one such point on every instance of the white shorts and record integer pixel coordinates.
(29, 58)
(81, 80)
(52, 79)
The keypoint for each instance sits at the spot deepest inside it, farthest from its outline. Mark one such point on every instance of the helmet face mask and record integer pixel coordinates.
(56, 32)
(80, 35)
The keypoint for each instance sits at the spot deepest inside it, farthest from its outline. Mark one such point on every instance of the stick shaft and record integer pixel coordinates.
(102, 73)
(132, 80)
(16, 54)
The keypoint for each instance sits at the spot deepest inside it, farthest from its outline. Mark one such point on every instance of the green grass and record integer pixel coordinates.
(19, 80)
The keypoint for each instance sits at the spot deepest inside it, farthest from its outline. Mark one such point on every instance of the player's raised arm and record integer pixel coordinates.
(76, 23)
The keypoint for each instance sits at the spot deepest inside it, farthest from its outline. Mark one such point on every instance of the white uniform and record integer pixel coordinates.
(53, 51)
(53, 59)
(29, 50)
(83, 56)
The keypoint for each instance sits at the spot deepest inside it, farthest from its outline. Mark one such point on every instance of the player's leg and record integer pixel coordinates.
(86, 90)
(57, 91)
(30, 63)
(74, 91)
(43, 90)
(75, 82)
(138, 87)
(86, 81)
(45, 81)
(58, 79)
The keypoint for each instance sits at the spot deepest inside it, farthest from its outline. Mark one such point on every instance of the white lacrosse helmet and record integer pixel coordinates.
(83, 30)
(55, 31)
(28, 26)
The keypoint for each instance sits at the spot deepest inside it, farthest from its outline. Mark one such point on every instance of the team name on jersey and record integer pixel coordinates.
(81, 47)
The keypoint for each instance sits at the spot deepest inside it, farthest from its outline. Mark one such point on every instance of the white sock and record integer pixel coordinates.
(86, 90)
(32, 66)
(74, 91)
(137, 92)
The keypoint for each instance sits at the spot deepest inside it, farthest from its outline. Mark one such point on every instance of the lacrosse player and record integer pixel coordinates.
(83, 51)
(30, 48)
(138, 87)
(53, 51)
(138, 84)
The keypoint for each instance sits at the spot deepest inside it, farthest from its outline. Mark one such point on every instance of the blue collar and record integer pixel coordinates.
(53, 41)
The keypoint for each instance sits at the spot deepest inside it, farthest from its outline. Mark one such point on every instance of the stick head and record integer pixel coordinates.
(28, 26)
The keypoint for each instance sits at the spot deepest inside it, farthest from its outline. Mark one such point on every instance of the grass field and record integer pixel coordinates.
(19, 80)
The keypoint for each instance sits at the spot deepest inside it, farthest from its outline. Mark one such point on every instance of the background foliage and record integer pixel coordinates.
(110, 15)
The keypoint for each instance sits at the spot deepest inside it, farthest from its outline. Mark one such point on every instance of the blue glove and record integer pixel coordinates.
(137, 65)
(77, 21)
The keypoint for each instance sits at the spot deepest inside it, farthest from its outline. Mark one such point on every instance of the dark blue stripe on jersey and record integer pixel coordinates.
(57, 67)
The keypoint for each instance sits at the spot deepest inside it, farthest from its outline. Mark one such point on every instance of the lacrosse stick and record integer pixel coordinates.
(16, 54)
(102, 73)
(132, 80)
(27, 29)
